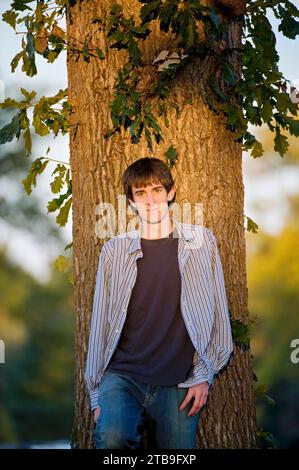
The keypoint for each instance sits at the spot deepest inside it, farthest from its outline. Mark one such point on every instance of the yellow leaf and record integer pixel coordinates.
(61, 264)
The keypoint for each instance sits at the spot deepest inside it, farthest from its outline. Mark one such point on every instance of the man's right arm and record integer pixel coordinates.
(99, 324)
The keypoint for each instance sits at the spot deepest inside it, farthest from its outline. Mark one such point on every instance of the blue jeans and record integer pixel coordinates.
(128, 405)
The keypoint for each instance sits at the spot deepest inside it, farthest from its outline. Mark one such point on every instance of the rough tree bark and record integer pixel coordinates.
(209, 162)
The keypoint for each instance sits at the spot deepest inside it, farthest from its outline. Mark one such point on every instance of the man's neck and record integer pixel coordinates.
(158, 230)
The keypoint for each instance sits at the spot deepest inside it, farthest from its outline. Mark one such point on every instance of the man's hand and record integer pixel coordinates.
(200, 394)
(96, 414)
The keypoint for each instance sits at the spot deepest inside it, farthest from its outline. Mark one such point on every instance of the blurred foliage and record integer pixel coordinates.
(273, 280)
(36, 381)
(16, 209)
(36, 321)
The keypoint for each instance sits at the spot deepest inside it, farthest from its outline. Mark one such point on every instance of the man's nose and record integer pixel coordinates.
(150, 198)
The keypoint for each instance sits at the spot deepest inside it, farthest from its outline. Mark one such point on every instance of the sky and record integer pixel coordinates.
(265, 192)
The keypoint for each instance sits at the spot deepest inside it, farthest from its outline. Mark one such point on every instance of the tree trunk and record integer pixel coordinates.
(209, 162)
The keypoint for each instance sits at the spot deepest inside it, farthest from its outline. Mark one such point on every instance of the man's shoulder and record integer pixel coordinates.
(120, 238)
(198, 232)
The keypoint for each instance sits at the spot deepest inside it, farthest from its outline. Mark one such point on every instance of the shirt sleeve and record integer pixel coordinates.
(98, 327)
(220, 346)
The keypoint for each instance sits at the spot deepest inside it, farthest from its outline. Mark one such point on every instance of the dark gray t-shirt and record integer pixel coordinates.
(155, 346)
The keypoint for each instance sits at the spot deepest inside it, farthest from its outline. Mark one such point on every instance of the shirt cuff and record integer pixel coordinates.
(94, 397)
(202, 372)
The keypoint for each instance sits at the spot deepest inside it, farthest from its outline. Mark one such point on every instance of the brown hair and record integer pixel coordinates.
(147, 171)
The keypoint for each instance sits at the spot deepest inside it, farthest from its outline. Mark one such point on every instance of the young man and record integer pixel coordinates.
(160, 327)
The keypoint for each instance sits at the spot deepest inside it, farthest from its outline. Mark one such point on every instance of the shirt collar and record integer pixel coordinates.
(184, 233)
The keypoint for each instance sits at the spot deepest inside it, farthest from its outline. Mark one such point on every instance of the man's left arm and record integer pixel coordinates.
(220, 346)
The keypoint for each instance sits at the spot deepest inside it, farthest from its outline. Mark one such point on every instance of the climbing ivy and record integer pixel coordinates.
(256, 95)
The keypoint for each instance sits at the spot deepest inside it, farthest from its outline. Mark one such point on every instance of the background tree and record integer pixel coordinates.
(36, 382)
(187, 79)
(36, 322)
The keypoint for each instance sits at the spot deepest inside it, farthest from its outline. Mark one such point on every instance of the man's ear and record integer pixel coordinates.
(133, 205)
(171, 194)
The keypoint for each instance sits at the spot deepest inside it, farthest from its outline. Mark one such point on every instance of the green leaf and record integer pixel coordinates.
(51, 56)
(241, 332)
(152, 122)
(29, 96)
(171, 156)
(284, 102)
(11, 130)
(288, 26)
(37, 167)
(28, 140)
(141, 31)
(56, 203)
(251, 225)
(61, 264)
(280, 143)
(293, 126)
(189, 34)
(16, 60)
(266, 111)
(39, 126)
(24, 121)
(57, 184)
(85, 52)
(67, 247)
(62, 217)
(117, 104)
(21, 5)
(249, 140)
(29, 64)
(9, 103)
(10, 17)
(134, 51)
(53, 205)
(257, 149)
(100, 53)
(135, 125)
(150, 11)
(148, 138)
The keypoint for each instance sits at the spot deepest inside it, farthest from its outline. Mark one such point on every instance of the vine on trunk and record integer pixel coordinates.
(257, 95)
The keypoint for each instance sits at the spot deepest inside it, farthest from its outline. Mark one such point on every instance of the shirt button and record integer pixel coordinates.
(124, 310)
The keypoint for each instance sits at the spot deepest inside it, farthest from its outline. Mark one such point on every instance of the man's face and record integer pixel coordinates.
(151, 201)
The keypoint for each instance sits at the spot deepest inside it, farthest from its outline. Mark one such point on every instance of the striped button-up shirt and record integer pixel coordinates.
(203, 302)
